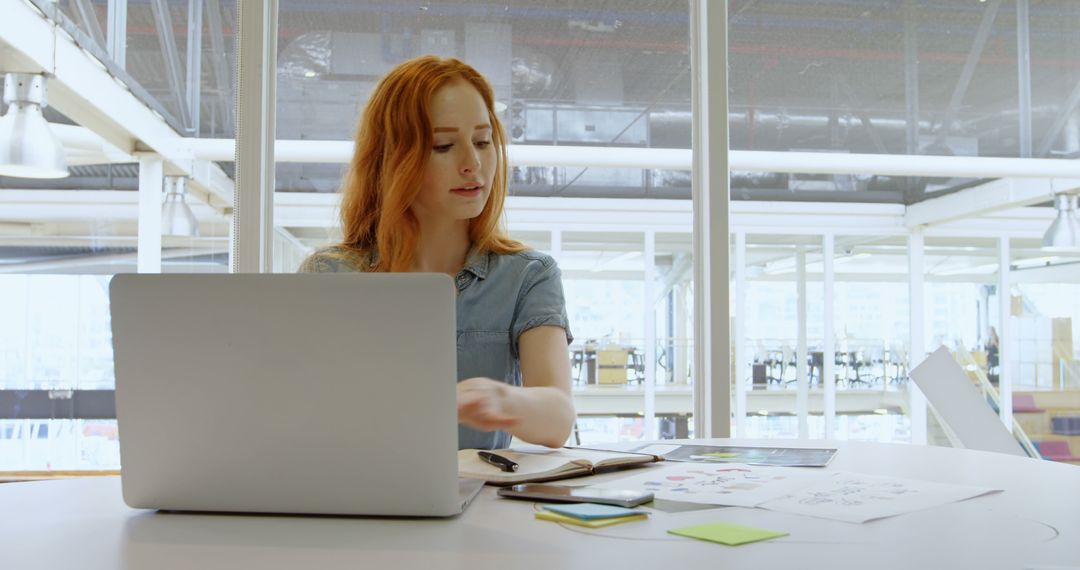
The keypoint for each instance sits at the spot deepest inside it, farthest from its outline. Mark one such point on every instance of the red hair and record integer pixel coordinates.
(393, 143)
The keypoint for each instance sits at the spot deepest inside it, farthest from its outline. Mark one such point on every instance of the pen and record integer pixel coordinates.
(498, 461)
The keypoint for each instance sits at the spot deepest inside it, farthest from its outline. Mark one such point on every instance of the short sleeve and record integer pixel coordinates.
(315, 263)
(540, 302)
(329, 260)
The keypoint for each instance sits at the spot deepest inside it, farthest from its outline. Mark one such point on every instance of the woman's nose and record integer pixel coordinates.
(471, 161)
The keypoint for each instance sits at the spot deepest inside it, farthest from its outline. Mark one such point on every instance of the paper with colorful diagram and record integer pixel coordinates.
(725, 484)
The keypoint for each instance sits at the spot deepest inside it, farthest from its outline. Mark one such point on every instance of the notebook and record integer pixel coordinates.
(548, 465)
(288, 393)
(588, 523)
(593, 511)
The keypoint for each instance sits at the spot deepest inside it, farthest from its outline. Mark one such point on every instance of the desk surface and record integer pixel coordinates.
(83, 523)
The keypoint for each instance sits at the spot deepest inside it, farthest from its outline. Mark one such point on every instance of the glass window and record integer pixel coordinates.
(62, 240)
(949, 79)
(580, 77)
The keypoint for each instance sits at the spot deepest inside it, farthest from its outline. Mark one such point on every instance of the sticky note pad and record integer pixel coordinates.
(592, 511)
(556, 517)
(727, 533)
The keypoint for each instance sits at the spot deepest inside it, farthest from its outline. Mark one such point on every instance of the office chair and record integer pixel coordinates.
(863, 365)
(898, 358)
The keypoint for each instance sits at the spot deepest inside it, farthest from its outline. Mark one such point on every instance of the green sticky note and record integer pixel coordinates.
(727, 533)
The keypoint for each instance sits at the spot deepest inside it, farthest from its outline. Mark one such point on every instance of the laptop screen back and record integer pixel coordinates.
(313, 393)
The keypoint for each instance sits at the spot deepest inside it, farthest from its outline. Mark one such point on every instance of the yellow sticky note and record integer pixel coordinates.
(596, 523)
(727, 533)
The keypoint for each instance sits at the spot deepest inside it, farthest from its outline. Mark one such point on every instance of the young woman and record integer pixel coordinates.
(424, 192)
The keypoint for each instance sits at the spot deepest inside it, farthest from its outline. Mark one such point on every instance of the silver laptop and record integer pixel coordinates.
(308, 393)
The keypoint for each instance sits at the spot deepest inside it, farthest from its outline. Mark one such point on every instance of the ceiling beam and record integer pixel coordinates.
(972, 61)
(221, 62)
(1059, 273)
(993, 196)
(174, 69)
(86, 13)
(80, 261)
(98, 206)
(340, 152)
(82, 87)
(319, 210)
(1062, 117)
(877, 277)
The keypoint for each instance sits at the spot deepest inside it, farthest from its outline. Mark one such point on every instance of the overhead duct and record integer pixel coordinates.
(306, 56)
(532, 74)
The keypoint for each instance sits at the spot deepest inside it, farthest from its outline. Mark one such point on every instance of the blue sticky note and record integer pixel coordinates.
(592, 511)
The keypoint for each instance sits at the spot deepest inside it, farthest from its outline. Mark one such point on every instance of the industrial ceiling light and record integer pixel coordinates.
(177, 219)
(1064, 232)
(28, 147)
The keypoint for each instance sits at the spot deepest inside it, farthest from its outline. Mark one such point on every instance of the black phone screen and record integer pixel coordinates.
(563, 493)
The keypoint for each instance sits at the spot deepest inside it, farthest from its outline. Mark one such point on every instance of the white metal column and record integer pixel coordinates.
(193, 82)
(650, 335)
(802, 395)
(683, 329)
(828, 352)
(1023, 70)
(253, 206)
(116, 32)
(712, 357)
(742, 361)
(916, 299)
(151, 185)
(1005, 371)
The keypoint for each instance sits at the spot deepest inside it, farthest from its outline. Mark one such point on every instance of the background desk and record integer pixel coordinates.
(82, 523)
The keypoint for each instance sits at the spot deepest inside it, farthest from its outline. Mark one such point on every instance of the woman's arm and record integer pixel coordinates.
(540, 411)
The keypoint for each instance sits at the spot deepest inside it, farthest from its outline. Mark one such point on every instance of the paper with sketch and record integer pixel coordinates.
(729, 484)
(657, 448)
(857, 498)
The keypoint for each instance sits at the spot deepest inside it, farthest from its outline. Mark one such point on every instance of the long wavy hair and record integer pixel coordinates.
(393, 144)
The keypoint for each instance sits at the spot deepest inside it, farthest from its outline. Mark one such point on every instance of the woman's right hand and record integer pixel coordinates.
(485, 404)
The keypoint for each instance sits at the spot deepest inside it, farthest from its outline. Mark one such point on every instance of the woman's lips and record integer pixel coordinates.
(468, 192)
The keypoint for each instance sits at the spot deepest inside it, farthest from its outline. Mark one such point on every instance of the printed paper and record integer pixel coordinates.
(857, 498)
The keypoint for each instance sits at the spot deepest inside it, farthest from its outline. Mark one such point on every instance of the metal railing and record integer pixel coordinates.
(1070, 374)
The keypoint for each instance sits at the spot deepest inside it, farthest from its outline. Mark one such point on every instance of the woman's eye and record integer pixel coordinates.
(483, 144)
(442, 147)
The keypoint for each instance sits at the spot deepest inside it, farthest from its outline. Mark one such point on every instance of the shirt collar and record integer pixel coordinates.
(476, 262)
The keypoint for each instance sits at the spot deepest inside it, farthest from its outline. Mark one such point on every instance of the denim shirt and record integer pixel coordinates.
(500, 296)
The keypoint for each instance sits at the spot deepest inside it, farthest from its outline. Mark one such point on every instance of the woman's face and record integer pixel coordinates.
(458, 175)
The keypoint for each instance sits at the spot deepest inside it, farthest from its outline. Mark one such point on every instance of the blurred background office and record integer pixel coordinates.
(902, 176)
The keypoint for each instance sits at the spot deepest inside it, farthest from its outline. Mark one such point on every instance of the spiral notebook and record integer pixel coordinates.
(548, 465)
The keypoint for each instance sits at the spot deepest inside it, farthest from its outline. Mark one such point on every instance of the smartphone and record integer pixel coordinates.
(564, 494)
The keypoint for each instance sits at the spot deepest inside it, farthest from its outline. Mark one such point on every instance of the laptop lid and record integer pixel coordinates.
(305, 393)
(961, 405)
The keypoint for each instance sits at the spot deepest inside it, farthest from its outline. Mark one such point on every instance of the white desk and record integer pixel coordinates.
(82, 523)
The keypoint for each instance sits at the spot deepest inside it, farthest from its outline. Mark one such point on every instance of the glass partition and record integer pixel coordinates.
(580, 77)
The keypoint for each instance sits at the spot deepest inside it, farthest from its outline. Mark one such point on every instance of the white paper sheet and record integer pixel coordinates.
(658, 448)
(727, 484)
(857, 498)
